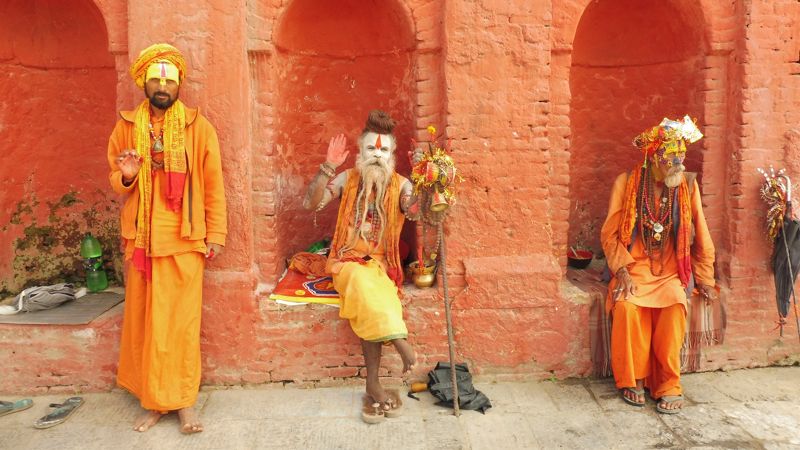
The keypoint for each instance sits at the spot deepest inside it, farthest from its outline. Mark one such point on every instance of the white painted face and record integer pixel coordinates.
(376, 146)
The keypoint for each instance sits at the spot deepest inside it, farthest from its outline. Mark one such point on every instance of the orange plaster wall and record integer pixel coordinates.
(57, 82)
(631, 66)
(335, 62)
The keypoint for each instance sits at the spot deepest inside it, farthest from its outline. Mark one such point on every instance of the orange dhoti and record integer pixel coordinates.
(646, 344)
(159, 359)
(649, 327)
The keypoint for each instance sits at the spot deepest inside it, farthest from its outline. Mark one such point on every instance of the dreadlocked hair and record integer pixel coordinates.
(379, 122)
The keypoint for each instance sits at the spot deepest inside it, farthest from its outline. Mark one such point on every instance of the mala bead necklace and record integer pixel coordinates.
(655, 226)
(372, 223)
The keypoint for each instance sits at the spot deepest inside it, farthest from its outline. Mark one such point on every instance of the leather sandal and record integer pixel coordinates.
(669, 399)
(371, 411)
(394, 404)
(634, 391)
(61, 413)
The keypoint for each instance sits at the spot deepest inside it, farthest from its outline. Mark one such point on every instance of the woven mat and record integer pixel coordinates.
(76, 312)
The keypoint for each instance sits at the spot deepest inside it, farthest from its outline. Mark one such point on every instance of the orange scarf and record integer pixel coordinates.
(393, 225)
(682, 213)
(175, 167)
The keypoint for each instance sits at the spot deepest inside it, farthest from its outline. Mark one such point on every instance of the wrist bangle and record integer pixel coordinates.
(327, 170)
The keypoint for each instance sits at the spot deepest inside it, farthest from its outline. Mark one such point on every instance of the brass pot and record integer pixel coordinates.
(422, 278)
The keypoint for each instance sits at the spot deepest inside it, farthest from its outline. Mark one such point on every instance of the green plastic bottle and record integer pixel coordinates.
(92, 254)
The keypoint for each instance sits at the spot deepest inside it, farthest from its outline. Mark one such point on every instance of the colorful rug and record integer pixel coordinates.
(296, 287)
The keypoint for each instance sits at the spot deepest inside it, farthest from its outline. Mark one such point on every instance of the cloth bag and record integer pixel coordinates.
(39, 298)
(441, 386)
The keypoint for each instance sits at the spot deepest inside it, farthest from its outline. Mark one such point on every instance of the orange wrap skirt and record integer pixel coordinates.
(159, 358)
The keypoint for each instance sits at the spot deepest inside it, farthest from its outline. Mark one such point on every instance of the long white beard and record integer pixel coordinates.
(375, 177)
(674, 176)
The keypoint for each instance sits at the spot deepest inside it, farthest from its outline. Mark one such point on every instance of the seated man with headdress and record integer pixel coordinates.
(657, 246)
(364, 258)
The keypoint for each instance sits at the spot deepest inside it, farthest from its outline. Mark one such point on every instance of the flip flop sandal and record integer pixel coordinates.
(637, 392)
(12, 407)
(669, 399)
(371, 411)
(395, 404)
(60, 413)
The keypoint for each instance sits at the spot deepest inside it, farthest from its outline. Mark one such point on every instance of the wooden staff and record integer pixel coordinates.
(450, 340)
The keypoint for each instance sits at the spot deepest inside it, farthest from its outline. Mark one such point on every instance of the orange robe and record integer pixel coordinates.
(160, 349)
(368, 296)
(648, 328)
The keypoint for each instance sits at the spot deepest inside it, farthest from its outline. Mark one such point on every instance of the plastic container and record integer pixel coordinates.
(90, 247)
(96, 280)
(92, 254)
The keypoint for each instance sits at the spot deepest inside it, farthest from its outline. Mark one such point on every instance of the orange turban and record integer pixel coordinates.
(156, 52)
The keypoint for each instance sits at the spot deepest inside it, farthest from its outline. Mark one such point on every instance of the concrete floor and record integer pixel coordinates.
(754, 408)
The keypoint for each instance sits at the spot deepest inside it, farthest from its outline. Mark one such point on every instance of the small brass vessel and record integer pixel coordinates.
(422, 278)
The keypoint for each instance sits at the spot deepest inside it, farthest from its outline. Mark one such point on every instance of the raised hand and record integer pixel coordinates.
(129, 163)
(416, 156)
(336, 151)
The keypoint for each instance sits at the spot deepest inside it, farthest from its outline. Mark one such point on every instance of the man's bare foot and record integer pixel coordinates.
(408, 356)
(190, 423)
(146, 420)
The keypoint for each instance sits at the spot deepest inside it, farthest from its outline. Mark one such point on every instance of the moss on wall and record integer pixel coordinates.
(48, 253)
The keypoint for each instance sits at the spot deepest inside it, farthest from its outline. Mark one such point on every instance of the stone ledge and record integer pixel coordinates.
(78, 358)
(503, 282)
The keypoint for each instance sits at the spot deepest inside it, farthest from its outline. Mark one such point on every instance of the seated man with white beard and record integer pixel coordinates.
(364, 259)
(657, 245)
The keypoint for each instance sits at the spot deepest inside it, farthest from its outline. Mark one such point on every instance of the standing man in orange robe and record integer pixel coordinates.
(658, 249)
(165, 162)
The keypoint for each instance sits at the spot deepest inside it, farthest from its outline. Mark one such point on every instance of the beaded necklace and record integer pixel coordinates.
(158, 142)
(372, 223)
(655, 225)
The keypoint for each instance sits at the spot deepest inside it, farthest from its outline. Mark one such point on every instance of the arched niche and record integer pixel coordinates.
(335, 61)
(58, 90)
(633, 63)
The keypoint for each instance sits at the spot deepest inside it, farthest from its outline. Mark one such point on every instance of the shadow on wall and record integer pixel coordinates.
(336, 61)
(633, 63)
(58, 85)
